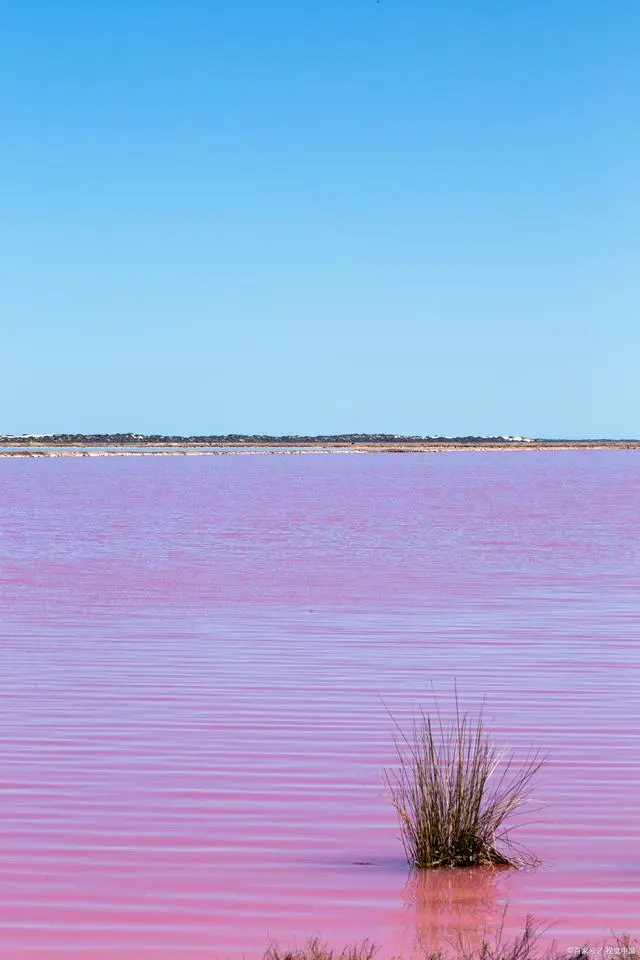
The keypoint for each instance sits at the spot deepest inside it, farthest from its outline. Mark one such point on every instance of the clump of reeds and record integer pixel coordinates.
(315, 949)
(626, 948)
(526, 945)
(455, 794)
(523, 946)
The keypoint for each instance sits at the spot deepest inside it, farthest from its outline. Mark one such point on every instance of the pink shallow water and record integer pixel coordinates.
(192, 654)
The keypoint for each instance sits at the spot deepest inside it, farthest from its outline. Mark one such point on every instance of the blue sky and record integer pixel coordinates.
(315, 217)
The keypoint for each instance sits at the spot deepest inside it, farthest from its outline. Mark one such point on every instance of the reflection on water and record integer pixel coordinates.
(448, 903)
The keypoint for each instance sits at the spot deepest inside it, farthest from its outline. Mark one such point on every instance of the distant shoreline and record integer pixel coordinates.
(135, 446)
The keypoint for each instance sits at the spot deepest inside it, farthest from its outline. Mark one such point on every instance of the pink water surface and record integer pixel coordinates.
(193, 655)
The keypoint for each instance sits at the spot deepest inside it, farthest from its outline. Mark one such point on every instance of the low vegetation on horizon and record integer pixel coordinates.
(124, 439)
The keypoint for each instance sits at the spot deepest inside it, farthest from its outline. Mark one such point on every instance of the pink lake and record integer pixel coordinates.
(193, 656)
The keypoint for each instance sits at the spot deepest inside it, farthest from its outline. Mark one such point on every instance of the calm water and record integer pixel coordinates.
(193, 655)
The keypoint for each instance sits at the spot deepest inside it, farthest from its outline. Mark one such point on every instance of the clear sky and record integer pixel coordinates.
(318, 216)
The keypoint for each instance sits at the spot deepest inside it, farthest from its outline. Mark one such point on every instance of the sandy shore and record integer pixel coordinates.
(183, 450)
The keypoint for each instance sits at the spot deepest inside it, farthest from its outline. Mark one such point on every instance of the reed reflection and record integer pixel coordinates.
(450, 903)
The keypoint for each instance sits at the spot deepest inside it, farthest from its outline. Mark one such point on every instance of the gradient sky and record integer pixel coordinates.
(320, 216)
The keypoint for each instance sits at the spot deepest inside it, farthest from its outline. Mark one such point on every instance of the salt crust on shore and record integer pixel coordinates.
(333, 449)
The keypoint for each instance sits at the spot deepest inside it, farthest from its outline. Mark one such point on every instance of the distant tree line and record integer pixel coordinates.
(128, 439)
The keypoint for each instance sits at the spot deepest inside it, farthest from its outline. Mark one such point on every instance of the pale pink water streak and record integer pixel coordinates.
(192, 657)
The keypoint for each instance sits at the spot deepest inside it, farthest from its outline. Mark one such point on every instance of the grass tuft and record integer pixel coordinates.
(315, 949)
(455, 795)
(626, 948)
(523, 946)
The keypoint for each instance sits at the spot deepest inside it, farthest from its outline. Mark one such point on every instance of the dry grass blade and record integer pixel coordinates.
(523, 946)
(626, 948)
(315, 949)
(455, 795)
